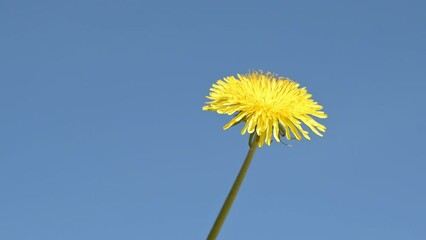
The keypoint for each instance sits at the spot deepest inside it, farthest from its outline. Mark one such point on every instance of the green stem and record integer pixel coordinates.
(234, 190)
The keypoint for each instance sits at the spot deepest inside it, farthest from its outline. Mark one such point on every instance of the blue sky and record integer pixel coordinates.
(102, 134)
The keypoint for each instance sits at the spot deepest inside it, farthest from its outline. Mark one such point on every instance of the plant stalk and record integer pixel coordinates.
(214, 232)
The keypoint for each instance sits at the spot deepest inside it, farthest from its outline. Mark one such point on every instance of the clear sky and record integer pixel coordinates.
(102, 135)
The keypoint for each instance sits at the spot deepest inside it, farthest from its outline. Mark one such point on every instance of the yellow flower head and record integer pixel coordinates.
(269, 105)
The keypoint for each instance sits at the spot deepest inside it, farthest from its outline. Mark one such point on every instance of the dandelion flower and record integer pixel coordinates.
(270, 106)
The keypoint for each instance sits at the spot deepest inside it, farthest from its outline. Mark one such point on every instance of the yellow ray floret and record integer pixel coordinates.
(270, 106)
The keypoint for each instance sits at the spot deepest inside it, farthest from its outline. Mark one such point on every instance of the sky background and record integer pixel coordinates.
(102, 135)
